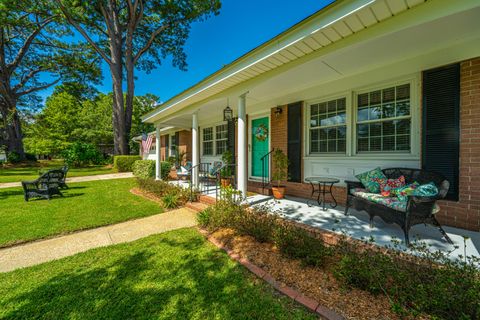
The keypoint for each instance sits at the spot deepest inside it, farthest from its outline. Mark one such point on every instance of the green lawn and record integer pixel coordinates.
(16, 174)
(84, 205)
(176, 275)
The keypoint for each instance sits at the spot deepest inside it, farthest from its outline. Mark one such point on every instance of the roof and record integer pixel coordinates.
(332, 23)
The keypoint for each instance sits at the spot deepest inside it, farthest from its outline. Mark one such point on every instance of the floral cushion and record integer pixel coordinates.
(368, 179)
(404, 192)
(391, 202)
(389, 187)
(394, 203)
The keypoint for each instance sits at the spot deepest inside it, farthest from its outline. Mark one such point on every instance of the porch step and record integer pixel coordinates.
(197, 206)
(256, 187)
(207, 200)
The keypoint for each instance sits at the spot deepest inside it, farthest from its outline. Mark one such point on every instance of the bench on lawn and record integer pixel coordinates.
(47, 185)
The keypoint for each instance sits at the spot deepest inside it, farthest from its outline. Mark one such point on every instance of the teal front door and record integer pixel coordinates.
(259, 138)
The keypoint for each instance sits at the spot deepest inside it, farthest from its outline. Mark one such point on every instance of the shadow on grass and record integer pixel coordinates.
(194, 282)
(15, 192)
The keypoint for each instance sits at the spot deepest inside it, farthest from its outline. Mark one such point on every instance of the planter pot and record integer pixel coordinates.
(225, 182)
(278, 192)
(173, 174)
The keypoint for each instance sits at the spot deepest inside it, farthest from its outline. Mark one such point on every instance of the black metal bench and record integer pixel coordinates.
(47, 185)
(418, 210)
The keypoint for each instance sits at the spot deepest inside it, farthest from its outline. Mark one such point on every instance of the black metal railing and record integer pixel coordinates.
(203, 171)
(226, 172)
(266, 163)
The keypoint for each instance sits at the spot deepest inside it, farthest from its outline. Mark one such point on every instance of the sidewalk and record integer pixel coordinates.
(33, 253)
(109, 176)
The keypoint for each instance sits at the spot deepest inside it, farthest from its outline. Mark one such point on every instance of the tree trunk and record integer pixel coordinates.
(118, 117)
(130, 96)
(14, 135)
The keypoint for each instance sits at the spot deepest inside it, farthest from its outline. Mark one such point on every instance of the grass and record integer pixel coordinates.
(84, 205)
(19, 173)
(175, 275)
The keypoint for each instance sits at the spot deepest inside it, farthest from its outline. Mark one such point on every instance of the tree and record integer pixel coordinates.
(68, 118)
(132, 34)
(34, 46)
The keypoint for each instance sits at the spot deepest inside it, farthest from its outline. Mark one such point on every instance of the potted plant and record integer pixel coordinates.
(226, 172)
(279, 173)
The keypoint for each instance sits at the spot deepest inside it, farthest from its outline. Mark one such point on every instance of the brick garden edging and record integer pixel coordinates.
(307, 302)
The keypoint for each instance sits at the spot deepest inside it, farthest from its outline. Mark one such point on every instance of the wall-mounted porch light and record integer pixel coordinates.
(278, 111)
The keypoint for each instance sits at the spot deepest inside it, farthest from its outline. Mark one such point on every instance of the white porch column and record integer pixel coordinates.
(158, 147)
(242, 146)
(195, 149)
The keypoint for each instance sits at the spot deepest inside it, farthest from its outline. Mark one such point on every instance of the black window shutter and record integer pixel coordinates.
(441, 124)
(177, 139)
(167, 147)
(294, 141)
(231, 138)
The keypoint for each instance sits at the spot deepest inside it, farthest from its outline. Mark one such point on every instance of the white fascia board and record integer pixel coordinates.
(322, 19)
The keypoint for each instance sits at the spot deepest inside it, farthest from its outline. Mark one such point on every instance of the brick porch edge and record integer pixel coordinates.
(307, 302)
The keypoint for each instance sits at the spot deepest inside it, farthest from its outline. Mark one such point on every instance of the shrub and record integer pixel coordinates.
(431, 283)
(144, 169)
(13, 157)
(124, 163)
(170, 200)
(79, 154)
(256, 222)
(30, 157)
(163, 188)
(296, 242)
(165, 167)
(204, 217)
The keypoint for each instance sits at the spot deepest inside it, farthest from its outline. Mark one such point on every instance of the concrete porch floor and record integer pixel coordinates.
(356, 225)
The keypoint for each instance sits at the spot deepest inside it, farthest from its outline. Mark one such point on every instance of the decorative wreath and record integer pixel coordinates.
(261, 133)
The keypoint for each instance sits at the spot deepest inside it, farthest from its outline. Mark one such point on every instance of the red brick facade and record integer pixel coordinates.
(184, 144)
(466, 212)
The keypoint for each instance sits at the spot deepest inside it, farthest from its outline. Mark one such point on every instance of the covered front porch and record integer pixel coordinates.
(356, 225)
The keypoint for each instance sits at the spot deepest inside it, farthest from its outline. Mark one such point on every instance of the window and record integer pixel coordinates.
(173, 145)
(221, 138)
(328, 129)
(384, 120)
(208, 141)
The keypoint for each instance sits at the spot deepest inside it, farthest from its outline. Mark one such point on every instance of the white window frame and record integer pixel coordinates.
(214, 129)
(345, 96)
(351, 121)
(223, 139)
(213, 141)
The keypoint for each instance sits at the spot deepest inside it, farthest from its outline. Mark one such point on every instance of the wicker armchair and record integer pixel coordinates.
(418, 210)
(47, 185)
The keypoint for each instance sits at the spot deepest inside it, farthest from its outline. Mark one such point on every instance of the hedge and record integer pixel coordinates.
(144, 169)
(124, 163)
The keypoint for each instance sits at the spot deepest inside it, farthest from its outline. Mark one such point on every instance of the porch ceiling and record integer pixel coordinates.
(326, 27)
(422, 41)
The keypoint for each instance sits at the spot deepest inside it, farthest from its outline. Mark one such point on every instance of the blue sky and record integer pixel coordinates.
(241, 26)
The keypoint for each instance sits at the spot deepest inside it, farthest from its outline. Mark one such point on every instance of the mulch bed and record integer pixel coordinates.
(147, 195)
(315, 283)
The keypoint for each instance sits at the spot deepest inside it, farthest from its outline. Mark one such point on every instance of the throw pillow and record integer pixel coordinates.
(368, 179)
(389, 187)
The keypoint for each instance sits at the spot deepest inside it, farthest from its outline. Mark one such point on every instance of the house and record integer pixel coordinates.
(359, 84)
(172, 140)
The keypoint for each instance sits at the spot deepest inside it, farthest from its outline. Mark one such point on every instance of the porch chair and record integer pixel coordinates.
(184, 171)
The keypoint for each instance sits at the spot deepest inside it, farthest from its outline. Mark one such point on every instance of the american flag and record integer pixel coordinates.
(146, 142)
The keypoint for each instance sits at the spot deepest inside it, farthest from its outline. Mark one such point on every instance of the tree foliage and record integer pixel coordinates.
(66, 119)
(36, 52)
(130, 34)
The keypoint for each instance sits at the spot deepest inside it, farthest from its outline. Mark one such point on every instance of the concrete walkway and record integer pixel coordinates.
(109, 176)
(33, 253)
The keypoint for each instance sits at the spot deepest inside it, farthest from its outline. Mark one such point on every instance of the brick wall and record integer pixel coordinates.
(163, 141)
(466, 212)
(185, 143)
